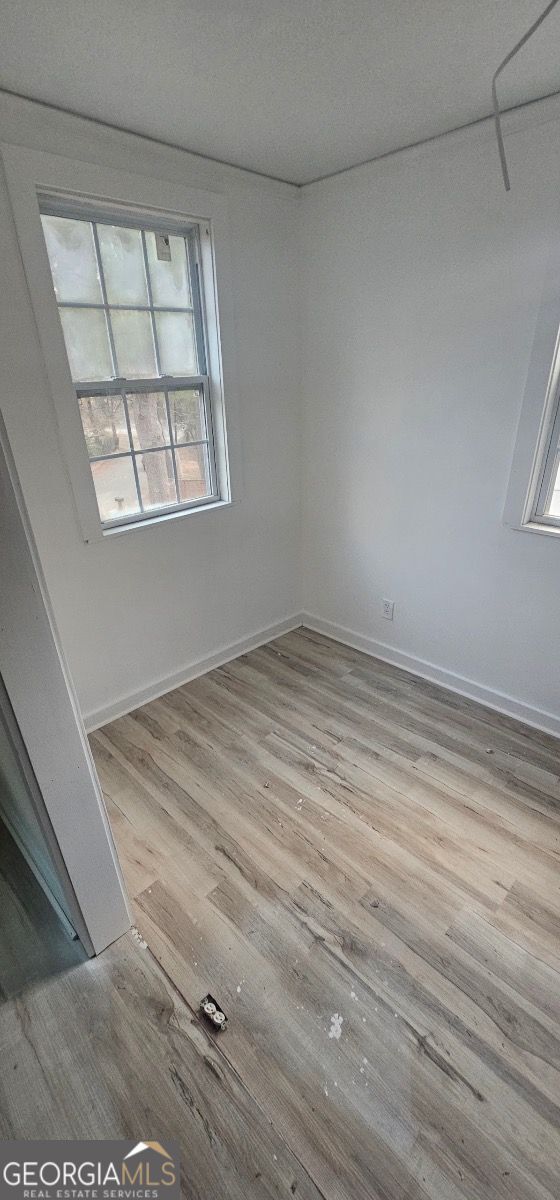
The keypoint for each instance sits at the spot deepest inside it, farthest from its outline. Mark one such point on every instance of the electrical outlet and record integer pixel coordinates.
(388, 609)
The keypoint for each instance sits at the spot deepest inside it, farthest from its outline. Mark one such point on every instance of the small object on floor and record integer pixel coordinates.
(213, 1012)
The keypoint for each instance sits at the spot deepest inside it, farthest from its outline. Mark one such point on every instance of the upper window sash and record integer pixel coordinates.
(108, 296)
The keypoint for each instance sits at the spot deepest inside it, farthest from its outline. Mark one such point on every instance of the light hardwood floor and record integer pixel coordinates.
(365, 870)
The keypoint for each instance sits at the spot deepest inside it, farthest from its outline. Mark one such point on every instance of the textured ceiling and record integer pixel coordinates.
(292, 88)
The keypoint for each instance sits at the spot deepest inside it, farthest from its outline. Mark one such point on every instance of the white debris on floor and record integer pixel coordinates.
(336, 1026)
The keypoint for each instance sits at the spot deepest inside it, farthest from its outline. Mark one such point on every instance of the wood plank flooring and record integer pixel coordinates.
(110, 1050)
(365, 870)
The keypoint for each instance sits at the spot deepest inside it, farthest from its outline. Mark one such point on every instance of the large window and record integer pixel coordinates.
(132, 311)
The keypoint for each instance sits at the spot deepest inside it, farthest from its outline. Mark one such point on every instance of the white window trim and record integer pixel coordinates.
(537, 412)
(31, 174)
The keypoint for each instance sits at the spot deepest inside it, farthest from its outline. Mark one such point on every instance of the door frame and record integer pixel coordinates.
(49, 872)
(45, 707)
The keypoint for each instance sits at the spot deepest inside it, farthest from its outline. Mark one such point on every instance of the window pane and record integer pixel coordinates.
(115, 488)
(157, 481)
(177, 349)
(134, 343)
(169, 280)
(104, 425)
(148, 419)
(554, 506)
(87, 343)
(71, 253)
(187, 415)
(193, 472)
(123, 264)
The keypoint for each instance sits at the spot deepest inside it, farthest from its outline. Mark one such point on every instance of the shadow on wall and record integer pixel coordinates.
(33, 941)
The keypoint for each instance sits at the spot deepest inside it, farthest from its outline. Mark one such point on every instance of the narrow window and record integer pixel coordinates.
(547, 504)
(133, 316)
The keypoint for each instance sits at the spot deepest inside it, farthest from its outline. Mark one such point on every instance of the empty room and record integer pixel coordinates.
(280, 600)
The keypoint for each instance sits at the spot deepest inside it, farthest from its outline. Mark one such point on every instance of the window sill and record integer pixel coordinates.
(163, 518)
(538, 527)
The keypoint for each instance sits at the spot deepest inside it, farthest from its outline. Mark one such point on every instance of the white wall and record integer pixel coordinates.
(144, 606)
(422, 283)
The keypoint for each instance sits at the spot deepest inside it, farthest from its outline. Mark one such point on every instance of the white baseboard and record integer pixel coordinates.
(125, 704)
(540, 719)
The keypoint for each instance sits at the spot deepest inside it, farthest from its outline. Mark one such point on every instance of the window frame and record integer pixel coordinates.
(40, 182)
(539, 420)
(550, 461)
(121, 385)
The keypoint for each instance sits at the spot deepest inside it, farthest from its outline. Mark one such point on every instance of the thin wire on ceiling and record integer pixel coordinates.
(507, 59)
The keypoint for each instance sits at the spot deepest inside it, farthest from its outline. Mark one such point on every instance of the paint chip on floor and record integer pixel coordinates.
(138, 937)
(336, 1026)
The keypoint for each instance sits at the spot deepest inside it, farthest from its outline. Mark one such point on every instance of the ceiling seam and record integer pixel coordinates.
(435, 137)
(220, 162)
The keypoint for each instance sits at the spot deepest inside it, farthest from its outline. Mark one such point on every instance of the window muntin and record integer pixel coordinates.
(148, 446)
(132, 317)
